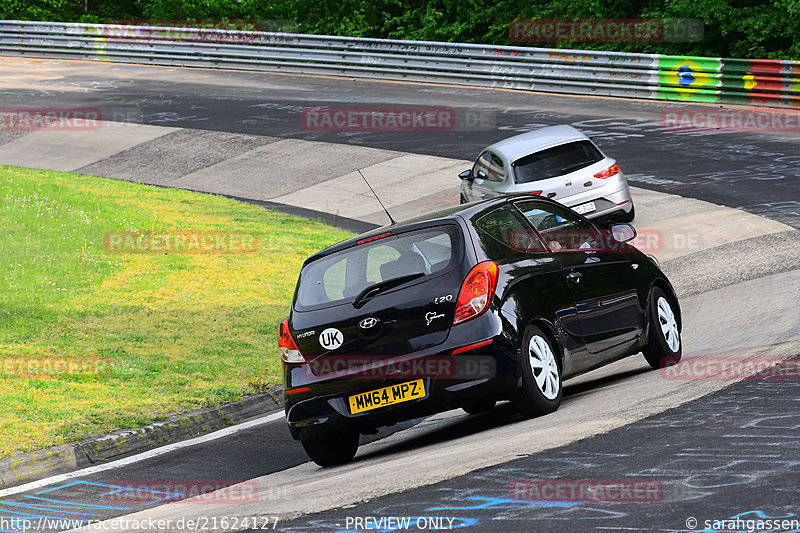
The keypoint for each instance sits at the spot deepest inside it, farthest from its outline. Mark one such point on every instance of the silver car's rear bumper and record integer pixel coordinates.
(614, 197)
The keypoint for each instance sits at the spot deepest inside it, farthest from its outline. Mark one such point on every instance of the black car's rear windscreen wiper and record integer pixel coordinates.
(373, 290)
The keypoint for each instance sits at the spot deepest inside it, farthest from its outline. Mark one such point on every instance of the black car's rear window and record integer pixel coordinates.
(556, 161)
(342, 276)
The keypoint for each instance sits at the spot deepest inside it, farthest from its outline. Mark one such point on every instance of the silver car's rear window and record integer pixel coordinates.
(556, 161)
(342, 276)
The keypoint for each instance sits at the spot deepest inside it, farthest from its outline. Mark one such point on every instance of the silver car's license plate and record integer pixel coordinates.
(588, 207)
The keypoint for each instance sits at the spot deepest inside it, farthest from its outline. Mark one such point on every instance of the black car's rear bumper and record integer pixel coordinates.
(319, 404)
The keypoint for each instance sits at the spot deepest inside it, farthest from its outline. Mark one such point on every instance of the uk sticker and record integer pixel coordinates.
(331, 338)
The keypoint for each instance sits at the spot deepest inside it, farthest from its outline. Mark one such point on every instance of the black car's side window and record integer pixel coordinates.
(560, 228)
(504, 234)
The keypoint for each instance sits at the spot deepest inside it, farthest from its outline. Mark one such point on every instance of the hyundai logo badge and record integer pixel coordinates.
(368, 323)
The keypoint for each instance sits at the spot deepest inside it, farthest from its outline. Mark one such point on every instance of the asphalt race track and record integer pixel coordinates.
(707, 460)
(703, 449)
(755, 171)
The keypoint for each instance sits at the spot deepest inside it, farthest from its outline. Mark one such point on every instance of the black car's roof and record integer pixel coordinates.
(466, 211)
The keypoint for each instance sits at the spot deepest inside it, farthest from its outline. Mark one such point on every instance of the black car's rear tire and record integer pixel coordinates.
(664, 346)
(332, 449)
(478, 406)
(541, 375)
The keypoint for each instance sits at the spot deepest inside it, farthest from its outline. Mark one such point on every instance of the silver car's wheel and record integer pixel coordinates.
(540, 367)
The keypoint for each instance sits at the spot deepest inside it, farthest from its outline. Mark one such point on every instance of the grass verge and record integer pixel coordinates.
(94, 337)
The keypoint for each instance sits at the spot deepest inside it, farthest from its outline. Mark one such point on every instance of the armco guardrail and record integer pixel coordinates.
(655, 76)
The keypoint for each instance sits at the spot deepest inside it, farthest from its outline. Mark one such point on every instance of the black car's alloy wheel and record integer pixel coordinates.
(664, 338)
(332, 449)
(541, 375)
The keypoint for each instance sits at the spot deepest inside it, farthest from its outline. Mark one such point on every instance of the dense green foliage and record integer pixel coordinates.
(733, 28)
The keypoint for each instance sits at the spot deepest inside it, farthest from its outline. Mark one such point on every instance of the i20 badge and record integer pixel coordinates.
(331, 338)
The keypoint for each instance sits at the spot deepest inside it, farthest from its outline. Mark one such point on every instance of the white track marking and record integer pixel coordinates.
(142, 456)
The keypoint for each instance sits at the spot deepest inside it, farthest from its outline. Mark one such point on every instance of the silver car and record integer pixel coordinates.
(557, 162)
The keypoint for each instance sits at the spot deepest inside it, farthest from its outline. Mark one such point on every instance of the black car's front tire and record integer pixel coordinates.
(541, 375)
(332, 449)
(664, 346)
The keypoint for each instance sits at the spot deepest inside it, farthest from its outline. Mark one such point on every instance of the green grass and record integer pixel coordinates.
(171, 332)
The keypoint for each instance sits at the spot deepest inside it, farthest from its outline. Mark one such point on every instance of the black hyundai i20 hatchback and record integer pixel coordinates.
(496, 300)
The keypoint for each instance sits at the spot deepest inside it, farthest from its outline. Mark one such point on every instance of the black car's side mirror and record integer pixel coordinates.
(623, 232)
(482, 174)
(466, 175)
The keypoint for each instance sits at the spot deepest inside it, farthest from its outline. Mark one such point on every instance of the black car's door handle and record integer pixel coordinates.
(574, 276)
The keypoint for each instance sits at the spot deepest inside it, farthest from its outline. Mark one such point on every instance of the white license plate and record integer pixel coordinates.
(588, 207)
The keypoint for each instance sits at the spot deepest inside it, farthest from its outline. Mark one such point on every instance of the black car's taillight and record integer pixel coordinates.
(476, 292)
(290, 353)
